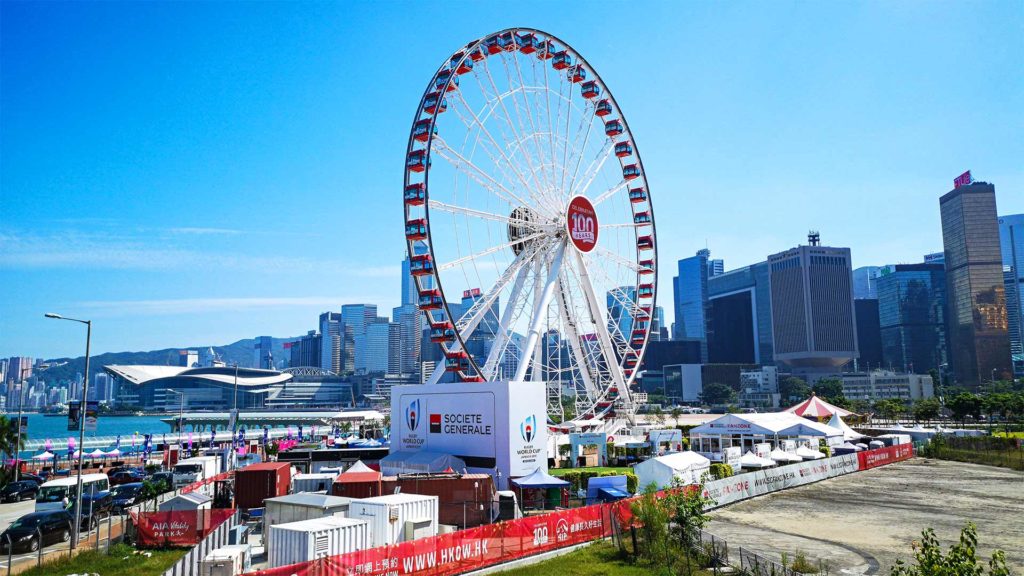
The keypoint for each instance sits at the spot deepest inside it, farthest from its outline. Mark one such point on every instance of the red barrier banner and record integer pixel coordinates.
(197, 485)
(882, 456)
(177, 528)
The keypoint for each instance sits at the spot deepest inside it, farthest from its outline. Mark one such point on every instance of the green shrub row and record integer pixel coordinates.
(719, 471)
(579, 478)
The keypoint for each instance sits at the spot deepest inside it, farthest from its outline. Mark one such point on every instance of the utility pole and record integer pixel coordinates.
(17, 443)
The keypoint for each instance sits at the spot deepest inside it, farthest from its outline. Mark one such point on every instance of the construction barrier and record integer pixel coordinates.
(476, 548)
(177, 528)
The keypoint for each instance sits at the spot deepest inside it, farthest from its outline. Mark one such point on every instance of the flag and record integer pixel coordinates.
(266, 435)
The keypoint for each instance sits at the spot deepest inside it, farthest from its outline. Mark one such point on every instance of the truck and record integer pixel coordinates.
(195, 469)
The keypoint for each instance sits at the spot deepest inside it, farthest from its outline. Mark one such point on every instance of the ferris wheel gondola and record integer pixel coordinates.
(529, 224)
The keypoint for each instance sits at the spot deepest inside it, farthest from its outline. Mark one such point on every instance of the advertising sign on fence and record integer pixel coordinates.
(882, 456)
(743, 486)
(177, 528)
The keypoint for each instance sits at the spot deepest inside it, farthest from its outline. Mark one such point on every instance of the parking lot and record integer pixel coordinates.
(11, 512)
(861, 523)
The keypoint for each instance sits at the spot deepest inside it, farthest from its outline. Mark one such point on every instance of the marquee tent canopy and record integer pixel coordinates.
(808, 454)
(751, 460)
(418, 462)
(815, 407)
(848, 433)
(44, 456)
(769, 424)
(540, 479)
(662, 470)
(784, 457)
(359, 467)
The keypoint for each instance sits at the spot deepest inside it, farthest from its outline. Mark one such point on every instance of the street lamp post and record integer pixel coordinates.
(17, 443)
(181, 412)
(81, 424)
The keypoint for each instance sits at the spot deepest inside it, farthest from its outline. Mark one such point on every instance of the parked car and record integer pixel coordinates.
(18, 491)
(125, 495)
(33, 477)
(25, 532)
(166, 478)
(127, 476)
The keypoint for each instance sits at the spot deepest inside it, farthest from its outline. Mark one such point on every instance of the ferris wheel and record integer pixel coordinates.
(529, 225)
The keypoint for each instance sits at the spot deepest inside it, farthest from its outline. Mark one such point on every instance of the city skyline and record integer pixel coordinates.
(250, 214)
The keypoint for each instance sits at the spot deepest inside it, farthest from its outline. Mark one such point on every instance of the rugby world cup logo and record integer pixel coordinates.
(412, 414)
(528, 428)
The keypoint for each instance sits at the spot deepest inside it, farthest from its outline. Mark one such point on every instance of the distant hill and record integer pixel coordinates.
(241, 352)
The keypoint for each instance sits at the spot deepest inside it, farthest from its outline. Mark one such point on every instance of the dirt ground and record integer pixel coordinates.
(862, 523)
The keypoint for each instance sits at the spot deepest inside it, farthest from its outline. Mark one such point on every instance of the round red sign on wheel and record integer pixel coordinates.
(581, 220)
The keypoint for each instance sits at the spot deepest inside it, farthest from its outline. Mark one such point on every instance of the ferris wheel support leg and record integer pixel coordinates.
(539, 311)
(498, 348)
(602, 330)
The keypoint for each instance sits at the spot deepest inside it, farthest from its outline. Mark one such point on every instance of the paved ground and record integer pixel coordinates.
(861, 523)
(11, 512)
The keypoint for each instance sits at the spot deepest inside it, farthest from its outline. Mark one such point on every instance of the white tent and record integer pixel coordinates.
(97, 453)
(114, 453)
(359, 467)
(808, 454)
(751, 460)
(688, 467)
(419, 462)
(44, 456)
(784, 457)
(848, 433)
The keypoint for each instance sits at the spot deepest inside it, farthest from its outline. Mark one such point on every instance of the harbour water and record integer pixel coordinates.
(56, 427)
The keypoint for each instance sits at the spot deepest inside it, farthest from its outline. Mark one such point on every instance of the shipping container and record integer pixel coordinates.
(311, 539)
(298, 507)
(464, 500)
(312, 482)
(358, 485)
(396, 517)
(227, 561)
(256, 483)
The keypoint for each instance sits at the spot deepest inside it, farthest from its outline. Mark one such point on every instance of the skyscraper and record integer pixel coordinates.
(690, 294)
(869, 333)
(19, 368)
(190, 358)
(864, 282)
(912, 317)
(330, 342)
(373, 346)
(306, 350)
(715, 267)
(748, 286)
(263, 354)
(813, 318)
(1011, 242)
(978, 335)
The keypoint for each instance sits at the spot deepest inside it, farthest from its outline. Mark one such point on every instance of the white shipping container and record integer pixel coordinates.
(388, 515)
(312, 482)
(311, 539)
(298, 507)
(226, 561)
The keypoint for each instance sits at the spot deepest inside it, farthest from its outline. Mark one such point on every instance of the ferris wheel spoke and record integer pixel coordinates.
(538, 145)
(489, 251)
(582, 151)
(443, 207)
(618, 259)
(538, 172)
(501, 150)
(502, 338)
(594, 169)
(471, 318)
(461, 163)
(574, 339)
(512, 128)
(623, 225)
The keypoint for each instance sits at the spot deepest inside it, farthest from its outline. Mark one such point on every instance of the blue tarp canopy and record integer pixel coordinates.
(611, 484)
(540, 479)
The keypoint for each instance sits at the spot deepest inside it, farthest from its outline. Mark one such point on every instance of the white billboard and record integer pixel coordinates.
(498, 428)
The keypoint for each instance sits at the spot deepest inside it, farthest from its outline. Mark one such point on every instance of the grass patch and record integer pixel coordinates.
(1008, 434)
(113, 564)
(598, 559)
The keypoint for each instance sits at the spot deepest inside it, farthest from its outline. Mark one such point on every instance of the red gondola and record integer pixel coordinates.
(456, 361)
(508, 42)
(465, 66)
(422, 129)
(623, 149)
(577, 74)
(431, 300)
(645, 290)
(415, 194)
(442, 78)
(630, 172)
(604, 108)
(421, 265)
(442, 332)
(434, 102)
(477, 55)
(637, 195)
(645, 309)
(647, 267)
(472, 378)
(645, 243)
(630, 362)
(642, 218)
(527, 44)
(493, 45)
(613, 128)
(638, 337)
(545, 49)
(562, 60)
(416, 229)
(417, 161)
(590, 89)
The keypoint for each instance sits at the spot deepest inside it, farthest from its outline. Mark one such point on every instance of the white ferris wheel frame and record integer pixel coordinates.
(537, 249)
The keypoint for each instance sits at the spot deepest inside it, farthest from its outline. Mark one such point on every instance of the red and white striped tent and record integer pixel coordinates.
(817, 408)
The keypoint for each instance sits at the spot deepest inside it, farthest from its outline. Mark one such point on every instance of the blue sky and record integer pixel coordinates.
(195, 173)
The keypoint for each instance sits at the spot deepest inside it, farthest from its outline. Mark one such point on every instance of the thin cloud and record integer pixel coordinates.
(201, 231)
(181, 306)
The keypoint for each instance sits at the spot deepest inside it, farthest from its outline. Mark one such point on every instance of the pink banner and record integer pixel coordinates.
(178, 528)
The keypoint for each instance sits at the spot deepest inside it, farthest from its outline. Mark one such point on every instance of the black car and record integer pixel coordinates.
(21, 490)
(25, 532)
(125, 495)
(127, 476)
(33, 477)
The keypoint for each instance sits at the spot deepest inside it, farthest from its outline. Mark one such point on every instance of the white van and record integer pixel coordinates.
(60, 494)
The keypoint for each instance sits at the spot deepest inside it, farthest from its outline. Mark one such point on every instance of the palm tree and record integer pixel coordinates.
(9, 439)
